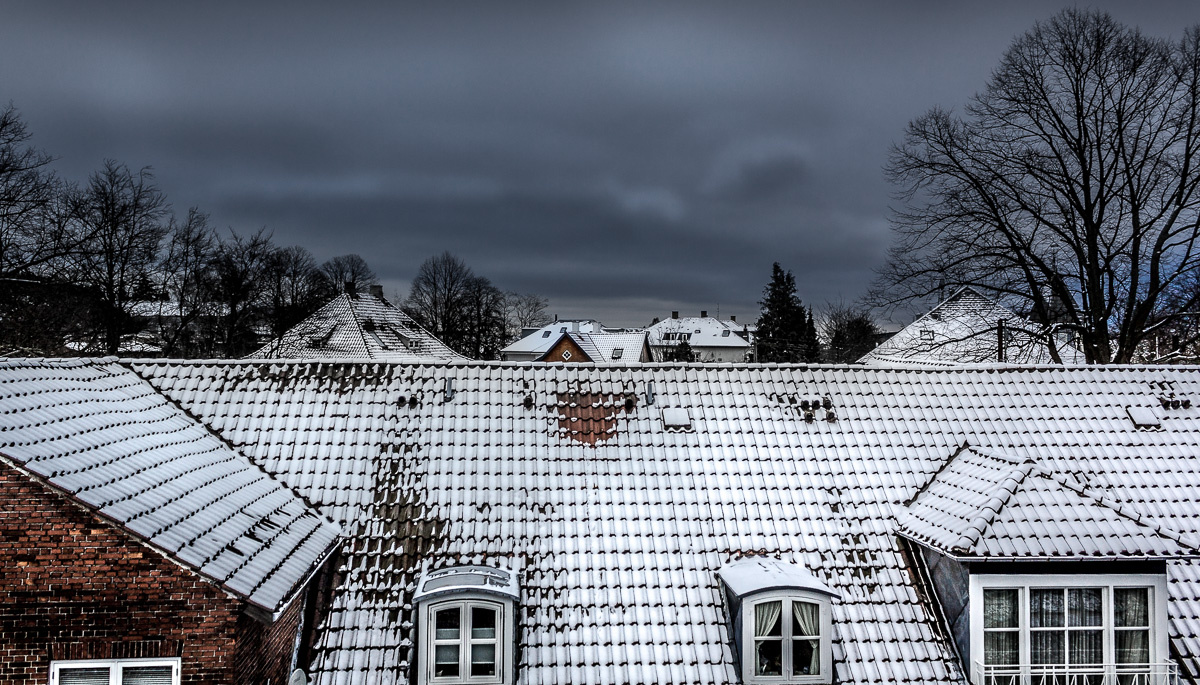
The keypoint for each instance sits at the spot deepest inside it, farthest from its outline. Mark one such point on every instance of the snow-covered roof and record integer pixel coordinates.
(604, 348)
(704, 331)
(620, 523)
(985, 505)
(98, 432)
(357, 326)
(749, 575)
(963, 329)
(537, 343)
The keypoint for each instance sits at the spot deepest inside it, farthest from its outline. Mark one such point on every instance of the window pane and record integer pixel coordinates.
(483, 659)
(768, 657)
(83, 676)
(1046, 647)
(146, 675)
(445, 661)
(1000, 648)
(1084, 607)
(447, 622)
(807, 657)
(766, 619)
(1131, 607)
(1133, 646)
(999, 608)
(1087, 647)
(483, 623)
(806, 619)
(1046, 608)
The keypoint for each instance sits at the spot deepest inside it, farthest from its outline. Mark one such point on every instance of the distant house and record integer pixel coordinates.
(138, 547)
(602, 347)
(357, 326)
(711, 339)
(534, 345)
(969, 328)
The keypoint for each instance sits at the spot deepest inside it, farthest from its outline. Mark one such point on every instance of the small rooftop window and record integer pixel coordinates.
(676, 418)
(1144, 417)
(725, 333)
(618, 352)
(780, 620)
(545, 334)
(926, 334)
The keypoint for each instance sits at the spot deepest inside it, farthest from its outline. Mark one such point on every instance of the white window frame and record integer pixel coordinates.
(1157, 584)
(428, 641)
(115, 667)
(826, 642)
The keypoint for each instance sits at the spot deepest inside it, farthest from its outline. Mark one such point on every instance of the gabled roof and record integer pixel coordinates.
(96, 431)
(994, 506)
(618, 524)
(703, 331)
(356, 326)
(600, 347)
(536, 344)
(962, 329)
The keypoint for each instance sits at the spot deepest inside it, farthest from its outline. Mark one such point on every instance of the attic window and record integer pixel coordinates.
(466, 624)
(780, 621)
(617, 352)
(926, 334)
(545, 334)
(725, 334)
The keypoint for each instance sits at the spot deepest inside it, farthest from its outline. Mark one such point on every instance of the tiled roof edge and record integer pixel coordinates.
(994, 504)
(118, 525)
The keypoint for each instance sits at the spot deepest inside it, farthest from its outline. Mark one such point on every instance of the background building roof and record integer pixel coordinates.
(357, 326)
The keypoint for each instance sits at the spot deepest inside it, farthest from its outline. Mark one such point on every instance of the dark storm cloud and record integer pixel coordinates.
(625, 160)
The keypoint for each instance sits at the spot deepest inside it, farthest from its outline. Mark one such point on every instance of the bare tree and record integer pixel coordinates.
(1069, 186)
(240, 287)
(121, 214)
(29, 235)
(296, 287)
(186, 282)
(348, 269)
(525, 310)
(436, 299)
(849, 333)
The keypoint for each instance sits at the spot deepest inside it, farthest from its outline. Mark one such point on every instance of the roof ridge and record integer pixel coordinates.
(358, 326)
(986, 512)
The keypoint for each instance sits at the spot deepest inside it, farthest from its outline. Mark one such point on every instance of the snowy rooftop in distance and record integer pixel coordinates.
(963, 329)
(700, 331)
(537, 343)
(95, 430)
(358, 326)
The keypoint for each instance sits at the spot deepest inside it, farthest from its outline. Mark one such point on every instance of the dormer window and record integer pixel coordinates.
(1079, 628)
(780, 620)
(466, 625)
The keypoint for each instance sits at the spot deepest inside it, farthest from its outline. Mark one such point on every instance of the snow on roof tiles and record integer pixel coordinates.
(619, 525)
(358, 327)
(96, 430)
(704, 331)
(986, 505)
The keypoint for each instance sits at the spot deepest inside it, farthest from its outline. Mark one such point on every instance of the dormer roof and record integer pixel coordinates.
(989, 505)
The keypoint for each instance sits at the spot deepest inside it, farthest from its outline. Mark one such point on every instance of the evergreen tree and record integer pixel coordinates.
(782, 324)
(682, 352)
(811, 344)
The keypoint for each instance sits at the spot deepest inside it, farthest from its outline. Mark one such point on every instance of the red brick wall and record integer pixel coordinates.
(74, 586)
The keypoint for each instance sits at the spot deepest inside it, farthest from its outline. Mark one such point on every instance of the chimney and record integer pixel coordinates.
(674, 315)
(733, 318)
(350, 288)
(574, 326)
(703, 313)
(377, 291)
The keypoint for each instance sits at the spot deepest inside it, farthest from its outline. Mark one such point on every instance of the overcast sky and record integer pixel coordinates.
(622, 160)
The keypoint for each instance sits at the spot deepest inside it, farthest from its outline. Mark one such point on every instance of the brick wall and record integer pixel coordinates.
(73, 586)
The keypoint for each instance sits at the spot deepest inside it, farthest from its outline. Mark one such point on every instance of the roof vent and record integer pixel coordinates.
(676, 418)
(1144, 417)
(650, 392)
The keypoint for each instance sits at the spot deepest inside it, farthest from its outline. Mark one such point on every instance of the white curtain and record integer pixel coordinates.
(808, 621)
(766, 617)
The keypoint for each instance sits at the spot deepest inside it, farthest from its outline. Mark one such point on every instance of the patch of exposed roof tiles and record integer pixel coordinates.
(358, 327)
(100, 433)
(619, 525)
